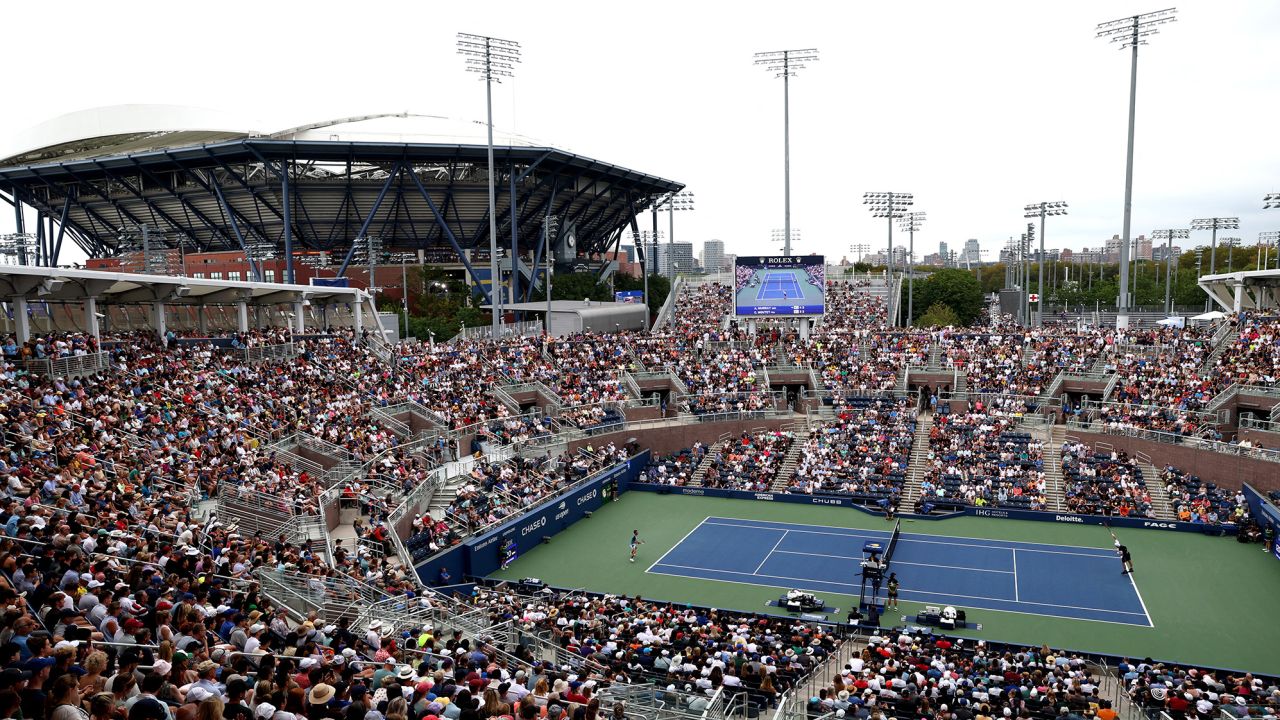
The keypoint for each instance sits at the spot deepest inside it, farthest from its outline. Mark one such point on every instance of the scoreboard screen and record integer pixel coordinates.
(771, 286)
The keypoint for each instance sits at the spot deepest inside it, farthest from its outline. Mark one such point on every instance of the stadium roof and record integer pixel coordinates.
(113, 288)
(1245, 290)
(215, 182)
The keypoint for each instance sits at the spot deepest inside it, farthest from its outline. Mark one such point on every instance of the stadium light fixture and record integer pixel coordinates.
(784, 64)
(891, 206)
(859, 249)
(1130, 32)
(1271, 201)
(1169, 235)
(779, 235)
(910, 223)
(682, 200)
(1215, 224)
(1269, 238)
(493, 59)
(1042, 210)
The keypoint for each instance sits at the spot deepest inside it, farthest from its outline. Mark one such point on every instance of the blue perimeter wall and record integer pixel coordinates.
(1003, 513)
(1266, 515)
(480, 556)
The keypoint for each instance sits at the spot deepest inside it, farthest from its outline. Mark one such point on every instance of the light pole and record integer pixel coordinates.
(1271, 201)
(784, 64)
(550, 233)
(1230, 244)
(889, 205)
(682, 200)
(493, 59)
(1042, 210)
(1269, 238)
(859, 249)
(1169, 235)
(1130, 32)
(1215, 224)
(911, 222)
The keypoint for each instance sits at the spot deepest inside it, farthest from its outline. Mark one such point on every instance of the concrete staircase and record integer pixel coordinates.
(919, 456)
(789, 464)
(1054, 487)
(1160, 504)
(700, 472)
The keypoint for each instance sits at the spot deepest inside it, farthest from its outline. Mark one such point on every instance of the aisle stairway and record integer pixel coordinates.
(1054, 486)
(700, 472)
(1160, 504)
(789, 464)
(919, 456)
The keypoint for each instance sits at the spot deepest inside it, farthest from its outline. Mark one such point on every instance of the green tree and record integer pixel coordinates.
(939, 315)
(957, 289)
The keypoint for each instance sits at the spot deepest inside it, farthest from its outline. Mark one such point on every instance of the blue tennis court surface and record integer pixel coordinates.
(1065, 581)
(778, 285)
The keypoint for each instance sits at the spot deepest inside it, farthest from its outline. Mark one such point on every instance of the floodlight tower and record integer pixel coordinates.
(910, 223)
(784, 64)
(1169, 236)
(1271, 201)
(493, 59)
(672, 202)
(859, 249)
(1215, 224)
(779, 235)
(1270, 238)
(1043, 210)
(1130, 32)
(891, 206)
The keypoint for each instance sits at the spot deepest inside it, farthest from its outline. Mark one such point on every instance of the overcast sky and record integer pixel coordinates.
(978, 108)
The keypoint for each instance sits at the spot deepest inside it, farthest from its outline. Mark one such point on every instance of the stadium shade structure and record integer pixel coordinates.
(418, 182)
(96, 291)
(1244, 290)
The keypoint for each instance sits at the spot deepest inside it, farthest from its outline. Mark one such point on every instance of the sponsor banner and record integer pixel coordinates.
(1001, 513)
(1120, 522)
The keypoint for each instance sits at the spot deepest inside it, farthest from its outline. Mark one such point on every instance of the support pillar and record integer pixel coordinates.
(157, 319)
(357, 318)
(242, 316)
(804, 329)
(1238, 302)
(21, 320)
(299, 324)
(202, 320)
(91, 325)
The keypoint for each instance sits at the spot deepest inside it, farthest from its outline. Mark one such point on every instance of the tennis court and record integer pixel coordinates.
(779, 285)
(1065, 581)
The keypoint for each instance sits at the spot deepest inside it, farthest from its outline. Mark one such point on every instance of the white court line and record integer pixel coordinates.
(895, 562)
(775, 547)
(917, 592)
(1015, 574)
(1150, 622)
(788, 587)
(858, 532)
(673, 547)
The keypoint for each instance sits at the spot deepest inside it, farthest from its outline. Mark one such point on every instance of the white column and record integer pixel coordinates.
(357, 318)
(242, 316)
(1239, 295)
(202, 320)
(299, 318)
(804, 328)
(157, 318)
(21, 319)
(91, 325)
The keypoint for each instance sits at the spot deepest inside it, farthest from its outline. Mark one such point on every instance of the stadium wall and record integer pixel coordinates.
(998, 513)
(480, 556)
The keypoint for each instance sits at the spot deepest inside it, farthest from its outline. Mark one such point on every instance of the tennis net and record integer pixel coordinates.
(893, 543)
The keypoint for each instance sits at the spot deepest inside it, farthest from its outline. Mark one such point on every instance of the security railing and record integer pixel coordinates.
(267, 352)
(528, 328)
(72, 366)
